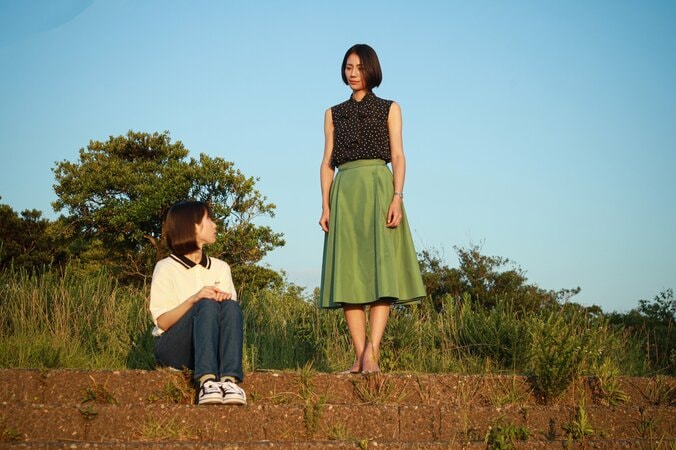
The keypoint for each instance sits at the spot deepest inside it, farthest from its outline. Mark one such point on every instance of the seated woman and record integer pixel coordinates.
(193, 302)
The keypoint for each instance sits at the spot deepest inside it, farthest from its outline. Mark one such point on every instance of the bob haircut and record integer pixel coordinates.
(370, 66)
(179, 225)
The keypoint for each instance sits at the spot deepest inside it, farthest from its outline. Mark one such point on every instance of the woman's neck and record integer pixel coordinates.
(359, 95)
(195, 256)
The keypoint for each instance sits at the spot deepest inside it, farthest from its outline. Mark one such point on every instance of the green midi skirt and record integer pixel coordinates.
(365, 261)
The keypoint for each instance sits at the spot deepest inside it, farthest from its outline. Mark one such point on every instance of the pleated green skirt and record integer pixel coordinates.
(365, 261)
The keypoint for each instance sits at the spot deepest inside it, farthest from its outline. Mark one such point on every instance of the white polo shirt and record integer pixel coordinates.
(176, 278)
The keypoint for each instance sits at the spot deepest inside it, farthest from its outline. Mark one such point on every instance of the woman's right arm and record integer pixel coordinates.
(326, 171)
(169, 318)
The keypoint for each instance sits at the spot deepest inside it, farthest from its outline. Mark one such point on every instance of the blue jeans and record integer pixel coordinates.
(207, 339)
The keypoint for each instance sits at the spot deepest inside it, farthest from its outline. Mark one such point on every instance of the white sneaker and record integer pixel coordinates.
(232, 394)
(210, 394)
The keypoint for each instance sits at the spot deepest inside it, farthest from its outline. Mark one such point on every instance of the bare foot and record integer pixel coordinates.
(370, 360)
(356, 368)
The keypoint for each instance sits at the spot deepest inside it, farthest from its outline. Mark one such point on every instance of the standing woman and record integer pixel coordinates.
(193, 302)
(369, 258)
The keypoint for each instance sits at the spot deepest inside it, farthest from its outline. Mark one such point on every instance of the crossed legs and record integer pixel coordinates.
(367, 350)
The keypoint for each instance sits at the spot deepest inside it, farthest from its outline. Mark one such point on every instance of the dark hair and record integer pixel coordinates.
(179, 225)
(370, 66)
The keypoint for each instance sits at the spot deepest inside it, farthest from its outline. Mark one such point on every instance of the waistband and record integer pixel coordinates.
(361, 163)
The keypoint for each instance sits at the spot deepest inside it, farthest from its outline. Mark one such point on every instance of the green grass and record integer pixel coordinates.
(579, 427)
(64, 320)
(92, 322)
(505, 435)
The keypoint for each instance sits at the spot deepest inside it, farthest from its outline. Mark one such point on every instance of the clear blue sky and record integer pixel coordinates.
(545, 131)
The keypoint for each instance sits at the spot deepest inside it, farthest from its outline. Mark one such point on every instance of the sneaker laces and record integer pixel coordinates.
(210, 387)
(232, 387)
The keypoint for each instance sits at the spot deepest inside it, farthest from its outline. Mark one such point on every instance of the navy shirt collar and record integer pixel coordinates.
(189, 264)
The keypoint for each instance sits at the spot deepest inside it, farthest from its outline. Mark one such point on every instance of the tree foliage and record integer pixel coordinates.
(115, 195)
(485, 280)
(27, 240)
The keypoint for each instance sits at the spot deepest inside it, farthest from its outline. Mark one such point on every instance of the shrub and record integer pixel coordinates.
(559, 344)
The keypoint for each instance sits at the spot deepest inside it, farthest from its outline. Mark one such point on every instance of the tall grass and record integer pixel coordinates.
(284, 331)
(68, 320)
(90, 321)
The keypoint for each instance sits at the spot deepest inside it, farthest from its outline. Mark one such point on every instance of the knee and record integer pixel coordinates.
(231, 310)
(206, 305)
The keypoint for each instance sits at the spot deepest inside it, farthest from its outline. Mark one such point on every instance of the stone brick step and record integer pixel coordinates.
(603, 444)
(316, 422)
(163, 386)
(302, 409)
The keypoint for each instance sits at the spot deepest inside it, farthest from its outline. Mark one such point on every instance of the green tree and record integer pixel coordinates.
(486, 280)
(662, 309)
(439, 279)
(26, 240)
(115, 196)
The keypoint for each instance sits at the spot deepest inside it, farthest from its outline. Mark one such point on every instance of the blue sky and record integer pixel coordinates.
(543, 131)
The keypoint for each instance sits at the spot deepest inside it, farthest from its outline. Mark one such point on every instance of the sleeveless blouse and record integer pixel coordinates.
(360, 130)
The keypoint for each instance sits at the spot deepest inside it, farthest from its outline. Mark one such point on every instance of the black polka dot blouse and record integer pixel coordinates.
(360, 130)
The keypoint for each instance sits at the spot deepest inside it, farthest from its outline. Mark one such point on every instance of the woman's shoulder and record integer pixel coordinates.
(383, 102)
(170, 262)
(166, 261)
(165, 267)
(340, 106)
(380, 107)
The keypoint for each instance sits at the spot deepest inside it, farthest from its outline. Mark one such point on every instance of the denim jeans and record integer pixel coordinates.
(207, 339)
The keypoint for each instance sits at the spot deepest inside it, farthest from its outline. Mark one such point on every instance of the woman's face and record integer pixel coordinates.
(205, 231)
(353, 73)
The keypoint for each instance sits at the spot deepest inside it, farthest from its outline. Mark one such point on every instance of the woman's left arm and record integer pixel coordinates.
(394, 214)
